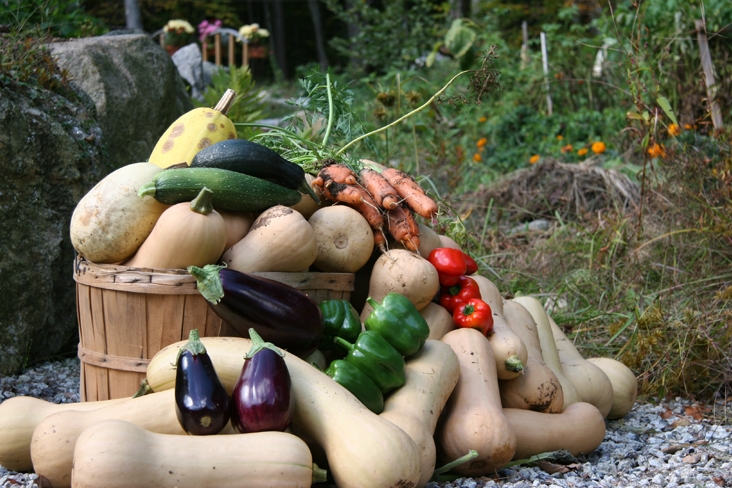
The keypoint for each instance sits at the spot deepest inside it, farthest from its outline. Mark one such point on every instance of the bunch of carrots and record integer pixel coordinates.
(387, 199)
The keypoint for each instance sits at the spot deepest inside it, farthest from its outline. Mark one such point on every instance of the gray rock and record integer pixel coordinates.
(189, 62)
(53, 149)
(50, 158)
(136, 88)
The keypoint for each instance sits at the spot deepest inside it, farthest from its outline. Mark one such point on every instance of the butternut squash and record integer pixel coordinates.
(119, 454)
(509, 350)
(580, 429)
(428, 240)
(52, 445)
(280, 239)
(549, 349)
(431, 374)
(591, 382)
(186, 234)
(19, 416)
(110, 222)
(237, 225)
(403, 272)
(489, 293)
(473, 417)
(344, 238)
(448, 242)
(438, 319)
(624, 383)
(362, 448)
(537, 388)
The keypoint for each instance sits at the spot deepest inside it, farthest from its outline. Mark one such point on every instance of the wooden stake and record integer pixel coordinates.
(524, 45)
(545, 65)
(706, 60)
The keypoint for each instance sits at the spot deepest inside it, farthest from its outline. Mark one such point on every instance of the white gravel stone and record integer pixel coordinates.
(641, 449)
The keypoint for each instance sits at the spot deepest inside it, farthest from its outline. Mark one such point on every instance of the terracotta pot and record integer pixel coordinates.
(171, 49)
(258, 52)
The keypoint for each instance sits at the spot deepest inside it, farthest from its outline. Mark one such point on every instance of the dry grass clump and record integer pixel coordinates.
(642, 276)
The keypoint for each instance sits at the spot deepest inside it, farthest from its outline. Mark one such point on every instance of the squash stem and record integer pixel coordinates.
(203, 203)
(320, 475)
(472, 454)
(405, 116)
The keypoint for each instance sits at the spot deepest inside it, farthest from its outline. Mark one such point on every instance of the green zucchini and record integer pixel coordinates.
(253, 159)
(231, 190)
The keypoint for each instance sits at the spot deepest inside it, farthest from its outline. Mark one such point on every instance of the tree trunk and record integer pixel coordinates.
(132, 13)
(353, 30)
(279, 36)
(314, 7)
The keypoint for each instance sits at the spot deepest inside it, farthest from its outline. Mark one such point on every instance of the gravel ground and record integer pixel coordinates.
(670, 444)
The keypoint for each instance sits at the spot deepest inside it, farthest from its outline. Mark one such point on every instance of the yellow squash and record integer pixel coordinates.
(193, 131)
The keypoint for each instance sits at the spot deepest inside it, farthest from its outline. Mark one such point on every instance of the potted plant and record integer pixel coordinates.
(177, 33)
(253, 34)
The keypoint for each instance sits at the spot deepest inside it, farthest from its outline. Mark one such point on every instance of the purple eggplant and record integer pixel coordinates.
(262, 396)
(280, 313)
(201, 401)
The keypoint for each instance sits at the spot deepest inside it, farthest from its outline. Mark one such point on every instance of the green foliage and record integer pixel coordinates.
(58, 18)
(248, 105)
(391, 34)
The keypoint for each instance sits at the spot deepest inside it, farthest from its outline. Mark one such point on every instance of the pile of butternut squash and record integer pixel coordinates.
(459, 397)
(464, 398)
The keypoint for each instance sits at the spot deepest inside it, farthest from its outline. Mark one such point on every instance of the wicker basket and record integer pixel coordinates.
(126, 315)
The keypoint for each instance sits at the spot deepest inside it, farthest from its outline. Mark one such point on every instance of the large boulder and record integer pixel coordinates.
(54, 148)
(135, 86)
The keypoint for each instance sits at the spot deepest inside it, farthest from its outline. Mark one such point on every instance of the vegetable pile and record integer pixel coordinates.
(434, 375)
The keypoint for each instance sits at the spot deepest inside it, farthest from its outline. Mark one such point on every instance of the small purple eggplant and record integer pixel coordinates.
(280, 313)
(201, 401)
(262, 396)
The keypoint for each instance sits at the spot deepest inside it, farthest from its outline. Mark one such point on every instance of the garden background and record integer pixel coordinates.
(582, 155)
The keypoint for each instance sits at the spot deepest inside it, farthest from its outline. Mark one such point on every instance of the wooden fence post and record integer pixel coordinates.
(524, 45)
(706, 60)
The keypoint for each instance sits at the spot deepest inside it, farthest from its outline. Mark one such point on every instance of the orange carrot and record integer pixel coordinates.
(384, 194)
(411, 192)
(349, 194)
(371, 212)
(403, 227)
(338, 173)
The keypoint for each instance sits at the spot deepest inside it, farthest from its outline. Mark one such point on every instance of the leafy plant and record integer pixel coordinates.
(390, 34)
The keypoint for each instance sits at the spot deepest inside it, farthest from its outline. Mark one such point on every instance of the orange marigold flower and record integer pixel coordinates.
(481, 142)
(688, 126)
(657, 151)
(598, 147)
(582, 152)
(674, 130)
(482, 119)
(560, 137)
(534, 159)
(567, 148)
(477, 158)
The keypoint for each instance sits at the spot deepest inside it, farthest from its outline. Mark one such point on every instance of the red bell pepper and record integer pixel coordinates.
(465, 289)
(472, 265)
(450, 264)
(475, 314)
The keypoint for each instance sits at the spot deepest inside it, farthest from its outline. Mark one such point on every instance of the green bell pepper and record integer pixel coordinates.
(399, 322)
(355, 381)
(340, 320)
(373, 355)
